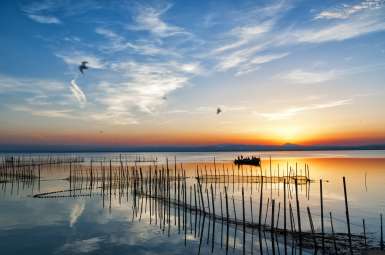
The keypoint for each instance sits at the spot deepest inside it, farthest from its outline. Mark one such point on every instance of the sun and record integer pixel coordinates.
(287, 134)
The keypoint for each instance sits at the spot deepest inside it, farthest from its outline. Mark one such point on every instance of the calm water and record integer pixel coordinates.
(68, 224)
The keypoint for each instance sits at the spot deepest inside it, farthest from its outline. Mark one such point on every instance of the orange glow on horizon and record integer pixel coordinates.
(194, 139)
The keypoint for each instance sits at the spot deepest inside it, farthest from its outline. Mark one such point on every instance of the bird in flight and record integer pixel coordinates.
(83, 66)
(219, 110)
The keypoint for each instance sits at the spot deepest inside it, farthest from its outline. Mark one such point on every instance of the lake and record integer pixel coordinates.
(174, 203)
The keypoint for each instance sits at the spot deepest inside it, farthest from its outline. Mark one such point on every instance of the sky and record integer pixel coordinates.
(305, 72)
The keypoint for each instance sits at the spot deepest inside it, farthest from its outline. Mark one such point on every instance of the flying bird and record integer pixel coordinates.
(83, 66)
(219, 110)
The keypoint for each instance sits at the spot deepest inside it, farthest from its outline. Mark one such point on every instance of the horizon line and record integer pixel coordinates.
(55, 148)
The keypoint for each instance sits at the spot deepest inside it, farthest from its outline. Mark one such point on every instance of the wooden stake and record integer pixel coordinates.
(298, 215)
(333, 235)
(347, 216)
(322, 216)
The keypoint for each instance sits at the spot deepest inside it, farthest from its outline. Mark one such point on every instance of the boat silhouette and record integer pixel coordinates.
(254, 161)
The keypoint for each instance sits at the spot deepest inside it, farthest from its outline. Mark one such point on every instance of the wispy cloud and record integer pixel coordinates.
(345, 11)
(243, 35)
(52, 12)
(39, 12)
(118, 43)
(149, 18)
(30, 85)
(308, 77)
(143, 85)
(78, 93)
(251, 43)
(257, 61)
(238, 57)
(292, 111)
(39, 97)
(342, 31)
(44, 19)
(42, 112)
(301, 76)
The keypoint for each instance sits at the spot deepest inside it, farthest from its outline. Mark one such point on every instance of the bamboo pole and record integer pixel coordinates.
(244, 222)
(284, 216)
(312, 227)
(298, 215)
(363, 225)
(382, 234)
(347, 216)
(322, 217)
(260, 203)
(333, 234)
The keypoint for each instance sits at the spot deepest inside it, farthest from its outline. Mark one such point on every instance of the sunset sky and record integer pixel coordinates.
(306, 72)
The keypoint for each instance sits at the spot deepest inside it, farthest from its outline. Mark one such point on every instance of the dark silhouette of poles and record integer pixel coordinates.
(312, 227)
(260, 203)
(382, 235)
(272, 226)
(347, 216)
(363, 225)
(227, 220)
(212, 201)
(284, 216)
(298, 215)
(333, 234)
(322, 216)
(244, 222)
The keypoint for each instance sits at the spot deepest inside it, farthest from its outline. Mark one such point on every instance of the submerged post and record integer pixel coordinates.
(347, 216)
(260, 202)
(382, 235)
(244, 222)
(322, 216)
(334, 237)
(363, 225)
(298, 215)
(284, 215)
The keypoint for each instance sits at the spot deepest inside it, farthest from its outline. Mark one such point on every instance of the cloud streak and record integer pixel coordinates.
(149, 19)
(44, 19)
(293, 111)
(342, 31)
(300, 76)
(140, 88)
(345, 11)
(78, 93)
(40, 12)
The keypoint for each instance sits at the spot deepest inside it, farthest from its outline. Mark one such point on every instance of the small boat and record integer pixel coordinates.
(253, 161)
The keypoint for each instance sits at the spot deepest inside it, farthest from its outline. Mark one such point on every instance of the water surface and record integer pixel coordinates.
(69, 224)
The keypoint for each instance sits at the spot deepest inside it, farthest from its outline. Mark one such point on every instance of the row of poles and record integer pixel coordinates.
(163, 190)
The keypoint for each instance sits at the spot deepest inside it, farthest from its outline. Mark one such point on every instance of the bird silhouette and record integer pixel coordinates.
(219, 110)
(83, 66)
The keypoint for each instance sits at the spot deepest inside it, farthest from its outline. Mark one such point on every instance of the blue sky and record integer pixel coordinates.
(159, 69)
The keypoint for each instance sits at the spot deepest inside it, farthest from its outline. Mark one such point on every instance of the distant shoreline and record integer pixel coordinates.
(208, 148)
